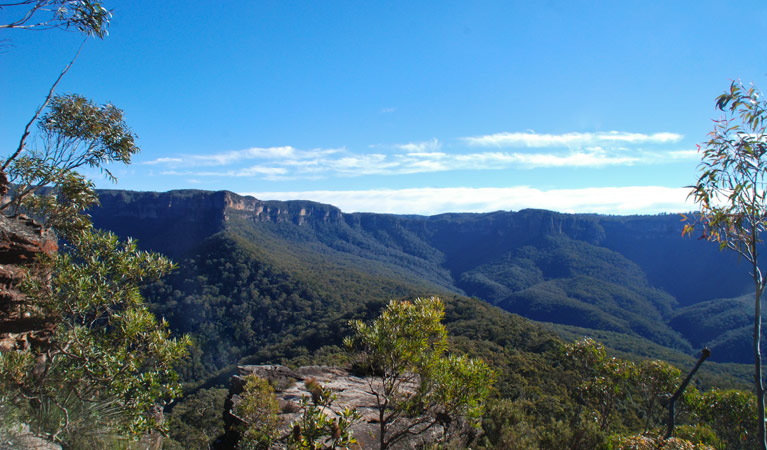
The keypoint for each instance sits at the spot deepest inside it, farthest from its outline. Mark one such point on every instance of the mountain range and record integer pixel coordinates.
(255, 275)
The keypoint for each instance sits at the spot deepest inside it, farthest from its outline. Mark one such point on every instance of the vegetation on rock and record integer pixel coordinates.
(416, 386)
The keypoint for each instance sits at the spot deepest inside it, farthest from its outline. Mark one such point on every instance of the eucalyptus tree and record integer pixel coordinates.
(108, 362)
(85, 16)
(416, 386)
(731, 193)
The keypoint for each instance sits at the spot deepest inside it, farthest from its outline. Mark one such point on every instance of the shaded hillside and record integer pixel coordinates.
(627, 275)
(689, 269)
(724, 325)
(238, 304)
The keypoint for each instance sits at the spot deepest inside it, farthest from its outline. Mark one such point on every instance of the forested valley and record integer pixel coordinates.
(273, 282)
(137, 319)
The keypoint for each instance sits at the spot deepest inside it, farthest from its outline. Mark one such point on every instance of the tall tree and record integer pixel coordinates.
(731, 193)
(109, 361)
(107, 349)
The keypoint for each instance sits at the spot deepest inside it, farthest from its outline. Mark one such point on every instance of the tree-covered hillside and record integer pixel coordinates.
(273, 282)
(632, 276)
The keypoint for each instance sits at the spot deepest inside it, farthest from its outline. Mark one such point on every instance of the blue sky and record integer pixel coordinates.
(407, 107)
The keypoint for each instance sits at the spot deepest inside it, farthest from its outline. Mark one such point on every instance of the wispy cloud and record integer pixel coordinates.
(233, 157)
(420, 147)
(163, 161)
(263, 171)
(532, 139)
(594, 150)
(684, 154)
(429, 201)
(545, 160)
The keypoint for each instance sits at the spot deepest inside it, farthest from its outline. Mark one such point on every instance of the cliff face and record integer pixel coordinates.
(22, 324)
(174, 222)
(297, 212)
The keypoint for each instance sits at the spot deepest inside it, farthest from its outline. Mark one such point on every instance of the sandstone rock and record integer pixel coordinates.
(22, 323)
(290, 385)
(25, 440)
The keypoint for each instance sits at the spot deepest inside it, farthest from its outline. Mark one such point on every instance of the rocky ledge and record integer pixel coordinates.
(290, 385)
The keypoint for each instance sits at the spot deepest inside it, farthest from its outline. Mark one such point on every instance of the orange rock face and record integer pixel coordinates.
(22, 323)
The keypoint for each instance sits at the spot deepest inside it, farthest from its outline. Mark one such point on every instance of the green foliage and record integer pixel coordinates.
(196, 421)
(599, 382)
(730, 414)
(732, 196)
(463, 385)
(315, 429)
(236, 305)
(259, 409)
(583, 398)
(79, 424)
(731, 188)
(406, 336)
(74, 132)
(107, 348)
(649, 443)
(108, 361)
(85, 16)
(656, 379)
(415, 385)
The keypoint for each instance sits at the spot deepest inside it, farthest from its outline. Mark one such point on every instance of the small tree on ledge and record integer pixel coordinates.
(415, 385)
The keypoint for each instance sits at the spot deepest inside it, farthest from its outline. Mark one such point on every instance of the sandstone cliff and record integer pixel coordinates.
(22, 323)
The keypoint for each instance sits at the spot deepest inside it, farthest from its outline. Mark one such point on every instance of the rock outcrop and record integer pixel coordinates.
(290, 385)
(22, 323)
(25, 440)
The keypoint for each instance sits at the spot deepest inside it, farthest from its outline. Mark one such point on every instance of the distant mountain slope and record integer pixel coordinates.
(628, 275)
(689, 269)
(725, 325)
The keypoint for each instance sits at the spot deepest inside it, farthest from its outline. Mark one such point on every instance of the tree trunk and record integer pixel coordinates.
(383, 445)
(758, 360)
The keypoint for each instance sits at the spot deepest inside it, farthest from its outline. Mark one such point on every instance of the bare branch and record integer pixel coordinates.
(40, 109)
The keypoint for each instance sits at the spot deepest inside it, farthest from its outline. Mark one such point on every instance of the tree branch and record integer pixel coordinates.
(48, 98)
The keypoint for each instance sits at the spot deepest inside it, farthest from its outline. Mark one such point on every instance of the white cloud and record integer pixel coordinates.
(542, 160)
(222, 159)
(261, 170)
(428, 201)
(347, 164)
(283, 154)
(684, 154)
(533, 139)
(594, 150)
(162, 161)
(432, 145)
